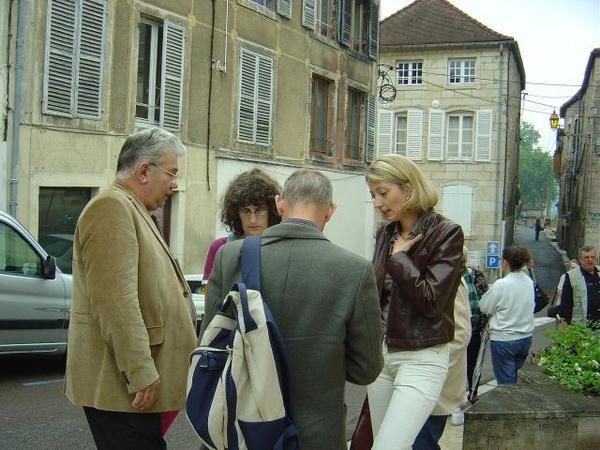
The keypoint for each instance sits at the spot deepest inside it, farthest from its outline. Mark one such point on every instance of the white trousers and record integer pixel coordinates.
(405, 393)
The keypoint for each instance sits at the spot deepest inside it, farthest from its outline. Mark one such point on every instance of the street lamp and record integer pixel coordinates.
(554, 120)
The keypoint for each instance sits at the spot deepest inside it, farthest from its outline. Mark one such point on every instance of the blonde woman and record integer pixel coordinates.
(417, 263)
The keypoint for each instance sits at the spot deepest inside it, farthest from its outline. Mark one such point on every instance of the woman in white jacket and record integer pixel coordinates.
(509, 303)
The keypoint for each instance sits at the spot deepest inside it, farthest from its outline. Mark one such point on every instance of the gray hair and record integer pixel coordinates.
(147, 145)
(587, 248)
(308, 186)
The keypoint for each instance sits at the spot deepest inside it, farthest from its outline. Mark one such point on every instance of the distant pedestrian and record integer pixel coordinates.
(417, 262)
(132, 323)
(537, 227)
(510, 303)
(324, 300)
(580, 299)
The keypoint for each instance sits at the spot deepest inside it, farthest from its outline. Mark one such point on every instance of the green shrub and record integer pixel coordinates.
(573, 360)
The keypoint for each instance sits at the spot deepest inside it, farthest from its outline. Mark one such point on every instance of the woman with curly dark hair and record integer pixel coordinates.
(248, 210)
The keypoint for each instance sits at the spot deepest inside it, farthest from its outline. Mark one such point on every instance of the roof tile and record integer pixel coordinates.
(434, 22)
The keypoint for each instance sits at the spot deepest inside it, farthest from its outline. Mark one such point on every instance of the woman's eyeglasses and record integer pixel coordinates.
(258, 212)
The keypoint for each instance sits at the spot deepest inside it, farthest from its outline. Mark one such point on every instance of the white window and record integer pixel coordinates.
(457, 205)
(436, 135)
(409, 72)
(256, 98)
(400, 133)
(159, 73)
(461, 70)
(459, 136)
(74, 58)
(483, 150)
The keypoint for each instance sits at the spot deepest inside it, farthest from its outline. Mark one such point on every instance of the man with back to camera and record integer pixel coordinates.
(324, 301)
(580, 298)
(132, 324)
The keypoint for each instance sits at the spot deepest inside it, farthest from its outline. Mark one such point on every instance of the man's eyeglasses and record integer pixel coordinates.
(174, 176)
(258, 212)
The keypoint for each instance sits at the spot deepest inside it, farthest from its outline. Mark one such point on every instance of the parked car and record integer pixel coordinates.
(60, 246)
(197, 285)
(35, 295)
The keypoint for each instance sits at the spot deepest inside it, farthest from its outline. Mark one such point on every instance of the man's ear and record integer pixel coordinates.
(280, 204)
(141, 172)
(330, 210)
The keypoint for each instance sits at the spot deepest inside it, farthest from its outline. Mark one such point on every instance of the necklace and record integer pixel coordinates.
(405, 235)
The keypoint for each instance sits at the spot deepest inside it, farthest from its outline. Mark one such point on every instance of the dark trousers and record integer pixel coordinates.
(430, 434)
(113, 430)
(472, 352)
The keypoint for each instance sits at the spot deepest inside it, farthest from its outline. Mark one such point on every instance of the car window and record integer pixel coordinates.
(16, 255)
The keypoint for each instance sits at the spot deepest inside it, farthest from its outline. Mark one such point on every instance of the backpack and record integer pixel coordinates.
(237, 394)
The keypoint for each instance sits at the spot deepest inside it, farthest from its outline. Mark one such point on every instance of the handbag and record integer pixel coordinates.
(362, 438)
(541, 299)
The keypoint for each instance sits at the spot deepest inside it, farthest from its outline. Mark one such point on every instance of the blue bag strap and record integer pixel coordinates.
(251, 262)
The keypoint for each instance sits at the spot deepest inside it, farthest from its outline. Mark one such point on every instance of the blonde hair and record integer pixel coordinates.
(405, 173)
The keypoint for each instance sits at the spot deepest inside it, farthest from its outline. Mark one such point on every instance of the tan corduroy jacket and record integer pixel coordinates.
(132, 318)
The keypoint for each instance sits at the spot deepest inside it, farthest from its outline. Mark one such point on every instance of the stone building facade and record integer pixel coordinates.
(577, 162)
(274, 84)
(456, 113)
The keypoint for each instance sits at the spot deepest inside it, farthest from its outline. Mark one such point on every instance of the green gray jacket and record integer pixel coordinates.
(326, 305)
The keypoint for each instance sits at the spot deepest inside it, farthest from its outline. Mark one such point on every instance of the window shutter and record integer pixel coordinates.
(284, 8)
(374, 30)
(309, 12)
(345, 24)
(264, 100)
(436, 135)
(60, 58)
(370, 135)
(171, 88)
(414, 133)
(91, 55)
(246, 113)
(483, 151)
(385, 133)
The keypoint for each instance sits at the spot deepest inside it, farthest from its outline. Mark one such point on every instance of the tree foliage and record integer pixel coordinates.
(537, 183)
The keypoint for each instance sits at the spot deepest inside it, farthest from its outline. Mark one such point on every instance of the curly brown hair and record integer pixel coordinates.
(253, 187)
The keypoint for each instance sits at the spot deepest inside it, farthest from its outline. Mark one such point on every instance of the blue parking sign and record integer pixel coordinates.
(493, 248)
(493, 262)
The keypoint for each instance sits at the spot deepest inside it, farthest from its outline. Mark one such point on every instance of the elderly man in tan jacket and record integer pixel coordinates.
(132, 319)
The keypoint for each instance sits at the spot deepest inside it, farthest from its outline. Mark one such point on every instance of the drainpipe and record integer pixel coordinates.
(499, 202)
(510, 234)
(16, 122)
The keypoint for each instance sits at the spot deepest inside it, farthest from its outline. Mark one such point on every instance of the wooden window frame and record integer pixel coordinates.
(314, 123)
(362, 99)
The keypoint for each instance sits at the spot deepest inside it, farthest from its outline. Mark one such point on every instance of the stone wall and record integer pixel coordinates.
(534, 414)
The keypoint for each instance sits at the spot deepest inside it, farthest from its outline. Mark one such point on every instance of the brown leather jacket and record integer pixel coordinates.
(424, 282)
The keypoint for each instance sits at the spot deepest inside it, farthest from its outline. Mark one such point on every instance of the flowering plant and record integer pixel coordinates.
(574, 358)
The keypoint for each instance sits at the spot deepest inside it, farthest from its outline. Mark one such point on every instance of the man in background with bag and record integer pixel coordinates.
(325, 302)
(132, 324)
